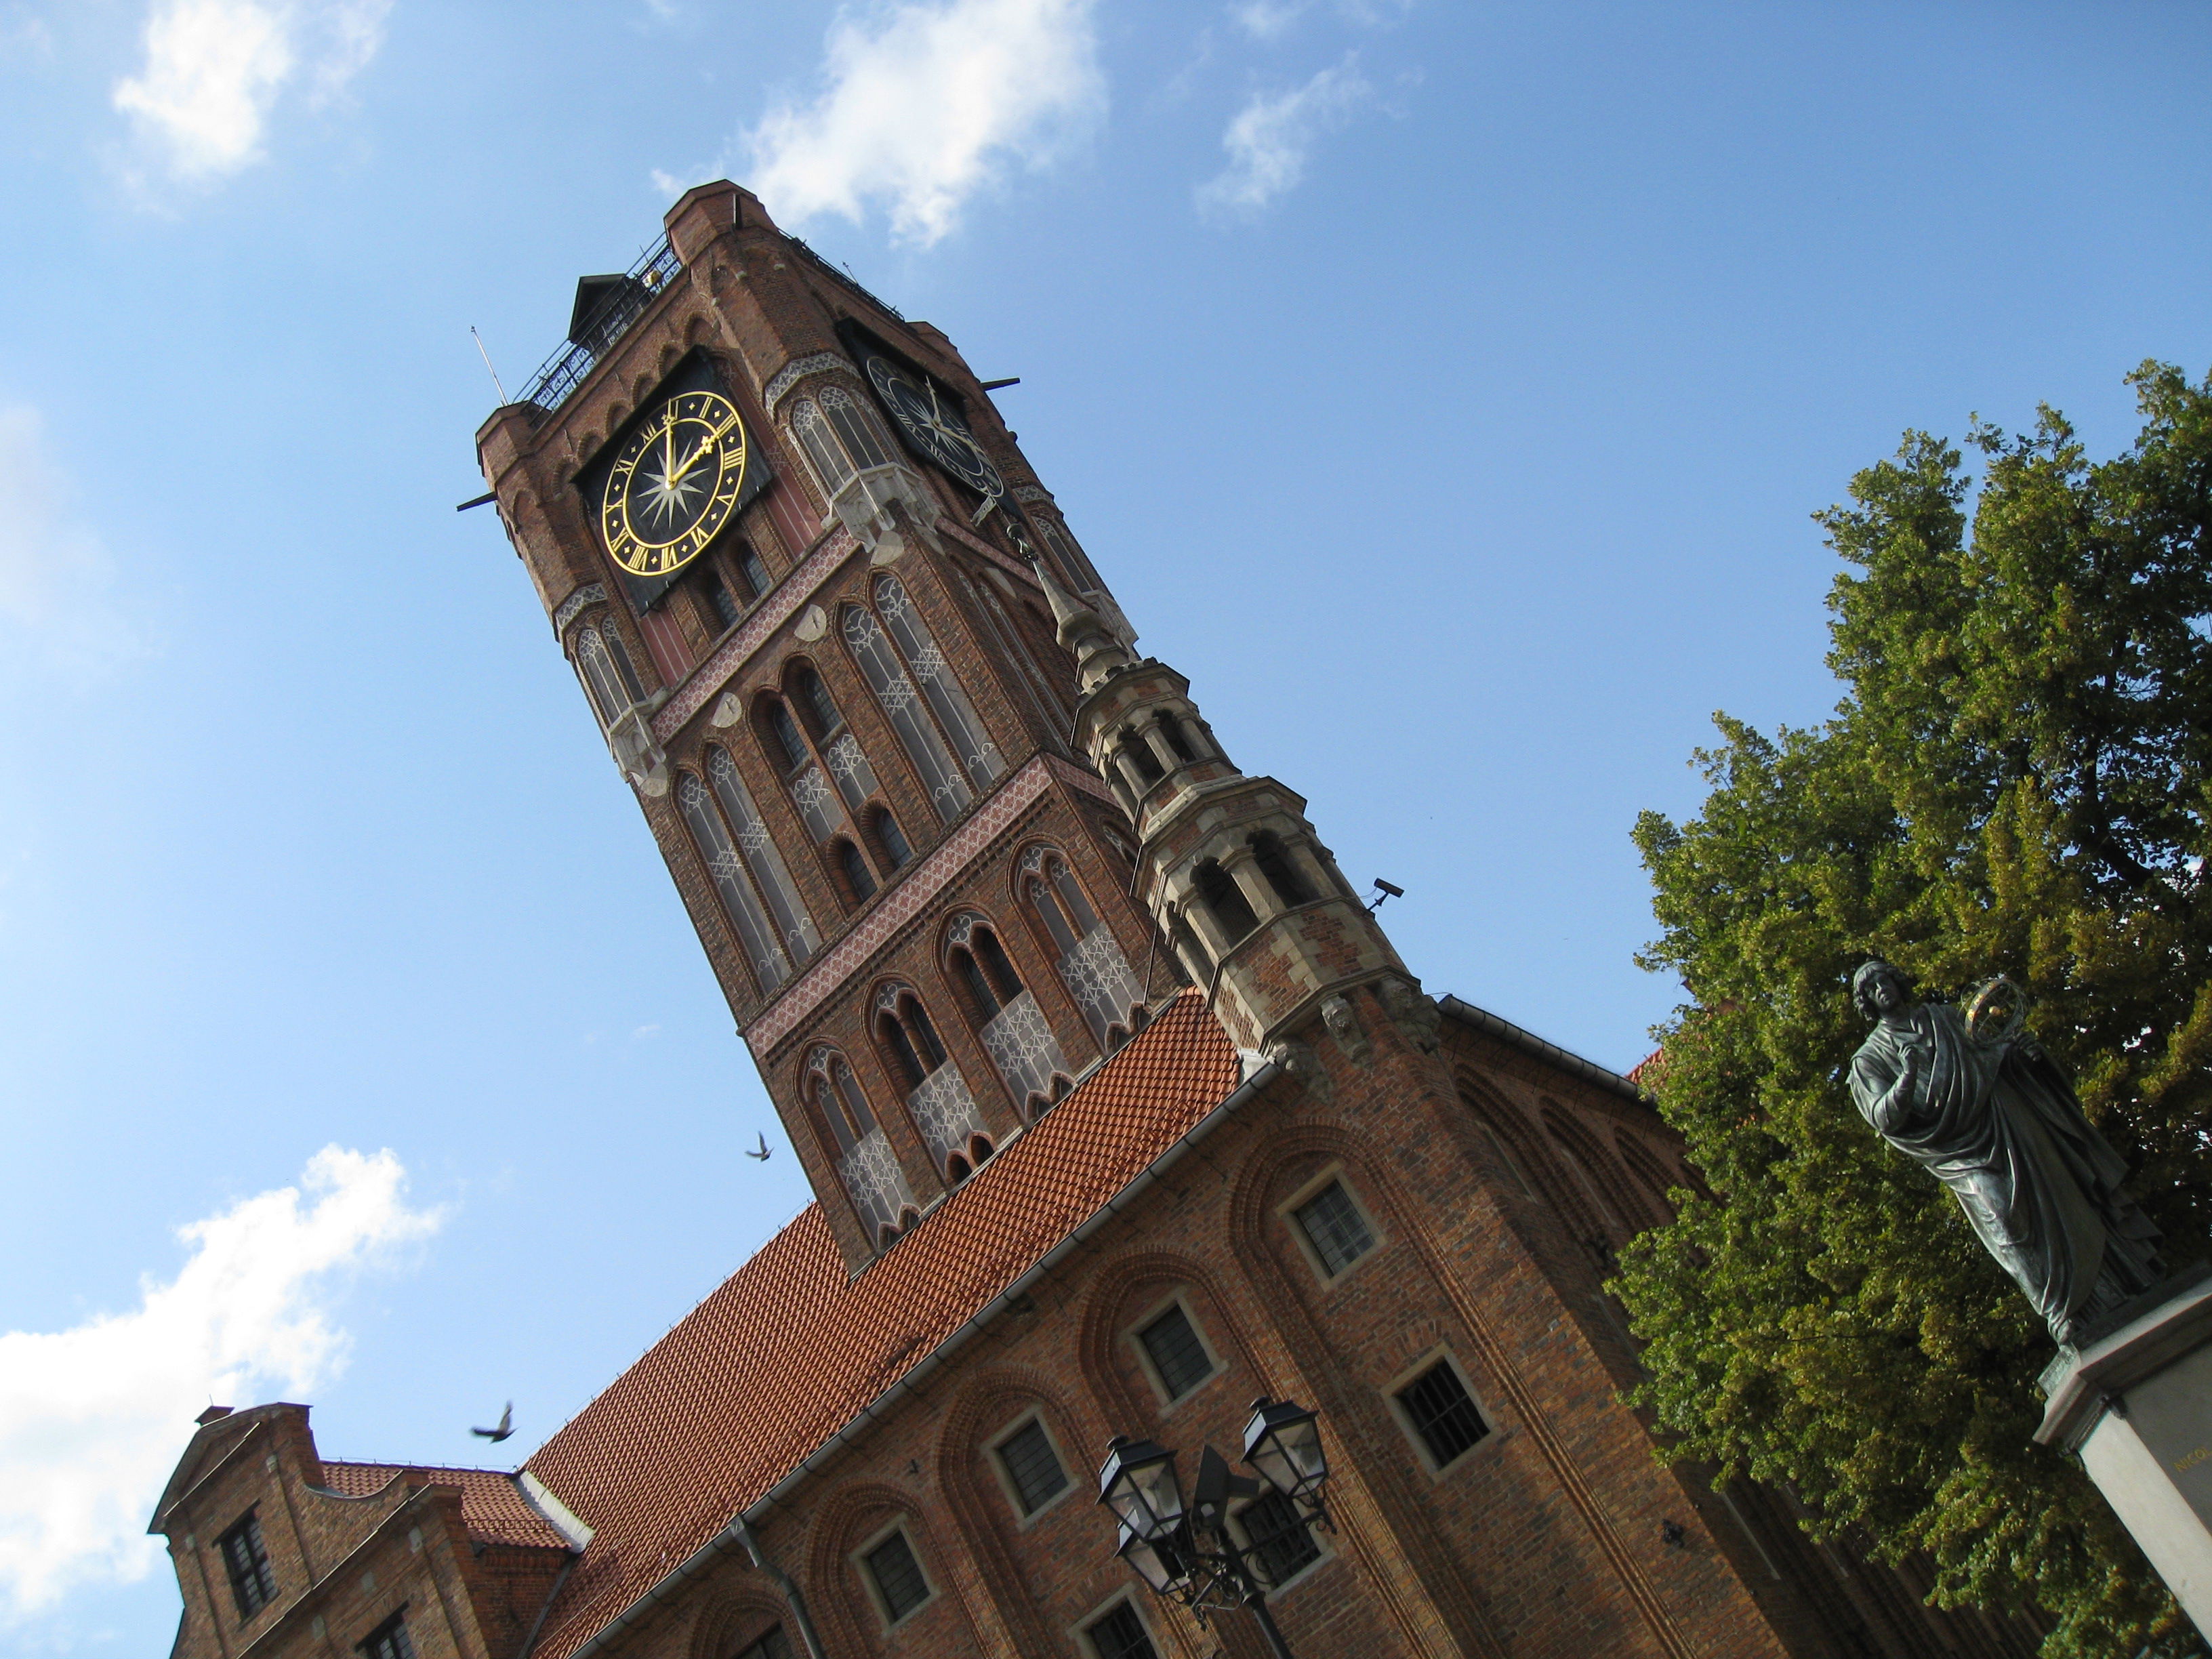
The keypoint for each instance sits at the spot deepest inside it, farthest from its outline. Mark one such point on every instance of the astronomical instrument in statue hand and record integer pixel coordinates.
(674, 485)
(933, 426)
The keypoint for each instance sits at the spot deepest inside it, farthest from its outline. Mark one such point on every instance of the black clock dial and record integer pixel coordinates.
(674, 485)
(934, 427)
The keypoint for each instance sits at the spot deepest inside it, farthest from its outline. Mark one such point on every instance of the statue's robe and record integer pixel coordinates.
(1998, 1124)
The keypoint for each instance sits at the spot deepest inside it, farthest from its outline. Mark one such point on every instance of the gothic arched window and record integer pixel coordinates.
(736, 836)
(866, 1163)
(938, 1100)
(608, 677)
(900, 660)
(1089, 957)
(840, 436)
(725, 867)
(820, 761)
(1281, 874)
(1010, 1026)
(854, 868)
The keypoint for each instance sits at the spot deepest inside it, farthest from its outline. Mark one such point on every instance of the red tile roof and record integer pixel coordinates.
(492, 1508)
(790, 1348)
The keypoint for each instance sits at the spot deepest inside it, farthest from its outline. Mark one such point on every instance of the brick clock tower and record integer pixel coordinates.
(1120, 1109)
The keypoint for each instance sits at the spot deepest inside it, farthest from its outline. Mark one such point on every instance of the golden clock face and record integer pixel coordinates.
(674, 485)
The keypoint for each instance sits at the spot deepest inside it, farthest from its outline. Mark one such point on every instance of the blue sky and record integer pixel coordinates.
(1443, 387)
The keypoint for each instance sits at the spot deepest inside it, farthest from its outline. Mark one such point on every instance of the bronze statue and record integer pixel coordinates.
(1975, 1102)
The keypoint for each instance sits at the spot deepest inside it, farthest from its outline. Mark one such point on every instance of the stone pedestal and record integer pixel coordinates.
(2136, 1405)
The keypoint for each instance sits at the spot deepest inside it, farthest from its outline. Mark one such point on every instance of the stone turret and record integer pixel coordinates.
(1252, 902)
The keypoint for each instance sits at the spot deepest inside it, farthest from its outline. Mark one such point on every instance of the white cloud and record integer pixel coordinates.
(55, 572)
(92, 1418)
(1269, 140)
(1266, 19)
(214, 69)
(927, 102)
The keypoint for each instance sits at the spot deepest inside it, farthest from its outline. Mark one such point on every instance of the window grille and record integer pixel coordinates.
(947, 698)
(823, 450)
(389, 1640)
(1022, 1046)
(903, 705)
(855, 427)
(246, 1561)
(1335, 1229)
(1121, 1635)
(1032, 1467)
(1282, 1545)
(800, 939)
(770, 1646)
(898, 1576)
(947, 1115)
(1436, 1403)
(1091, 962)
(1177, 1356)
(839, 437)
(725, 867)
(849, 765)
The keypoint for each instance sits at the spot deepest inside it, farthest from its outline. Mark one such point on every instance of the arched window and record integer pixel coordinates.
(820, 761)
(888, 838)
(1218, 892)
(1138, 754)
(799, 938)
(909, 699)
(1281, 874)
(1178, 741)
(763, 946)
(609, 680)
(839, 437)
(857, 877)
(866, 1164)
(1011, 1027)
(1090, 958)
(971, 743)
(938, 1100)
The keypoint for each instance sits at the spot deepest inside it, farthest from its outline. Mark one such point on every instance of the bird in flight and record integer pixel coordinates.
(506, 1426)
(763, 1154)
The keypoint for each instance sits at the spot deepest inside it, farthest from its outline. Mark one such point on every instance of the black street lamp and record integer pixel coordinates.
(1186, 1552)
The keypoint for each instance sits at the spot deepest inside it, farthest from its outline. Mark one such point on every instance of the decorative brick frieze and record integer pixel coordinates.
(797, 370)
(576, 604)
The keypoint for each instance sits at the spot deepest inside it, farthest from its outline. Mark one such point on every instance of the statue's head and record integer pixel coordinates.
(1880, 988)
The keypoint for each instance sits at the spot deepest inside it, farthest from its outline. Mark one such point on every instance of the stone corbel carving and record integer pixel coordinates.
(1303, 1066)
(636, 751)
(883, 506)
(1415, 1014)
(1343, 1022)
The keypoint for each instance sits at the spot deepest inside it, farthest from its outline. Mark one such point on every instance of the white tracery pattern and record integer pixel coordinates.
(856, 779)
(945, 1113)
(1023, 1048)
(771, 967)
(947, 700)
(886, 676)
(1097, 976)
(815, 803)
(872, 1176)
(799, 937)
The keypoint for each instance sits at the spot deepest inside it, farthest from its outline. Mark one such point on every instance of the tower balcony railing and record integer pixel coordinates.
(560, 374)
(878, 1186)
(1022, 1046)
(947, 1115)
(1097, 975)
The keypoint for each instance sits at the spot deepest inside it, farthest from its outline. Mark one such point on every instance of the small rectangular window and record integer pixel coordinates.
(1281, 1545)
(770, 1646)
(1176, 1353)
(246, 1561)
(1032, 1467)
(1335, 1228)
(1436, 1404)
(898, 1577)
(389, 1640)
(1121, 1635)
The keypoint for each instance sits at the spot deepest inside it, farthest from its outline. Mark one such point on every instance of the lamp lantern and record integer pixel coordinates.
(1138, 1482)
(1282, 1441)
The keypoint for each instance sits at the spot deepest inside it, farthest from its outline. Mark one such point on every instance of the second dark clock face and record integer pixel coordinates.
(933, 426)
(674, 484)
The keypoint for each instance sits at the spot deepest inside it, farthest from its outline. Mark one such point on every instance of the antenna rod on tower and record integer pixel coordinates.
(488, 369)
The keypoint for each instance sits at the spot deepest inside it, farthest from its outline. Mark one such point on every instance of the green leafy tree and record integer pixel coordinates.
(2016, 781)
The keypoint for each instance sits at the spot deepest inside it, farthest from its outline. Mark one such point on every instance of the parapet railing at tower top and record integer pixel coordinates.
(590, 339)
(847, 277)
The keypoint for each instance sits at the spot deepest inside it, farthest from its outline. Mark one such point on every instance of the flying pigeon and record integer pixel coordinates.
(506, 1426)
(763, 1155)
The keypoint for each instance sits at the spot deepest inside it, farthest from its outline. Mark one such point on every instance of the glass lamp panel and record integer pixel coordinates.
(1157, 1564)
(1139, 1484)
(1283, 1442)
